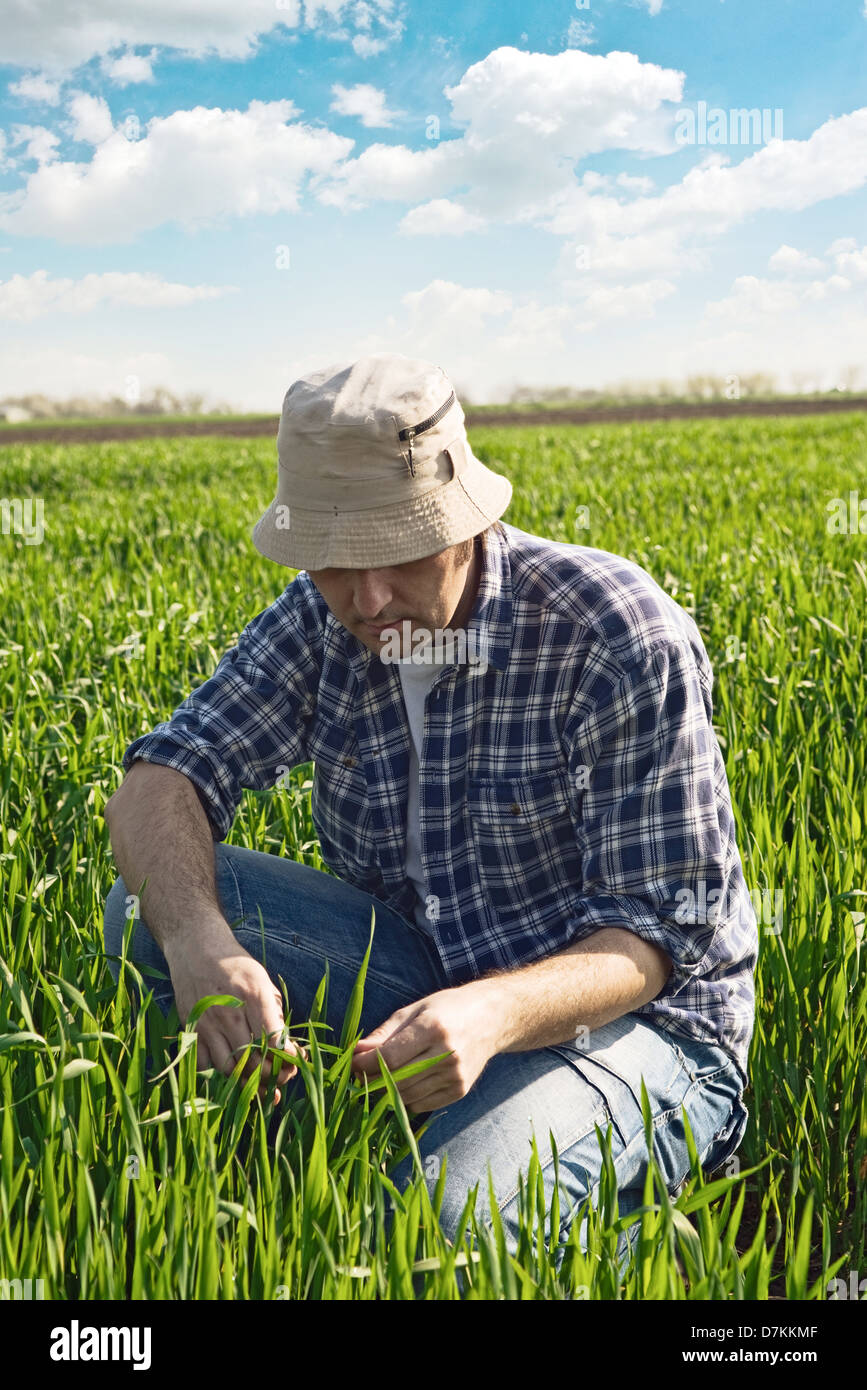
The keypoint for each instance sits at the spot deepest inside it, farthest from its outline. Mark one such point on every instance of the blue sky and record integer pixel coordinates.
(216, 197)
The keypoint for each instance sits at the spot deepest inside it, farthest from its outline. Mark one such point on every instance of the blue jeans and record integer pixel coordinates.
(309, 916)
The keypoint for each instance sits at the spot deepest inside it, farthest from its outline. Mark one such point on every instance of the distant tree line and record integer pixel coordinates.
(158, 401)
(704, 387)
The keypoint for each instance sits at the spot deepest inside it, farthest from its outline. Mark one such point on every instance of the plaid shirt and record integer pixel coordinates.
(572, 782)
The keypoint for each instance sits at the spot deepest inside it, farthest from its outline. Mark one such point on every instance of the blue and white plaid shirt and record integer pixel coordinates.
(572, 782)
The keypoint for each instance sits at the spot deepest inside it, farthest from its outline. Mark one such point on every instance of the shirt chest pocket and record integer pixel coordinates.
(524, 842)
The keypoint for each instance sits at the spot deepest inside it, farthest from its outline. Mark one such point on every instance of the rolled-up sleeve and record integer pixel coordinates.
(249, 721)
(654, 852)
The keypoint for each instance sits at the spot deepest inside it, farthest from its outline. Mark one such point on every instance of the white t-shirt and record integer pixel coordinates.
(416, 680)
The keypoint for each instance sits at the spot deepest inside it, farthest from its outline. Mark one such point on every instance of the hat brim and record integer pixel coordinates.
(379, 537)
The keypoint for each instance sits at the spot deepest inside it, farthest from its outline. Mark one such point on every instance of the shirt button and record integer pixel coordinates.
(515, 809)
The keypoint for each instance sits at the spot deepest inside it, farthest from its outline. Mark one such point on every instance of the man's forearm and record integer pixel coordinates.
(159, 832)
(593, 982)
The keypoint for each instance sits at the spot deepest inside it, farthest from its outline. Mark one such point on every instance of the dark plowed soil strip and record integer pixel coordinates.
(267, 424)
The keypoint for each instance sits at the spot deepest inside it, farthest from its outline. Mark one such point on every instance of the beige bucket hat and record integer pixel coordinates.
(374, 469)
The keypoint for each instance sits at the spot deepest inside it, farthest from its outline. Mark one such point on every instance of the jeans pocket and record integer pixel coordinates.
(728, 1138)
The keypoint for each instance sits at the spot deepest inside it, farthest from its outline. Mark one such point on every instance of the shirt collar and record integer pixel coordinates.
(491, 617)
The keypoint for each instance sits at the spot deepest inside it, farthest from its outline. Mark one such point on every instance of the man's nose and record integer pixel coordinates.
(372, 593)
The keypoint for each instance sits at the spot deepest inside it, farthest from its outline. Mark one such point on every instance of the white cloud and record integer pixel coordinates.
(191, 167)
(38, 32)
(26, 297)
(618, 301)
(59, 39)
(440, 217)
(579, 34)
(789, 259)
(822, 289)
(38, 87)
(842, 243)
(653, 6)
(635, 184)
(126, 68)
(532, 325)
(849, 260)
(628, 257)
(90, 118)
(39, 143)
(368, 48)
(69, 369)
(392, 172)
(364, 101)
(785, 175)
(489, 340)
(753, 298)
(444, 303)
(529, 117)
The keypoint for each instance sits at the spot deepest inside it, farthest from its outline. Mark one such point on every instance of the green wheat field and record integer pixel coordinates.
(124, 1173)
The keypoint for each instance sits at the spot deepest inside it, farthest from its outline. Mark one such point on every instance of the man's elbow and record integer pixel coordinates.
(659, 968)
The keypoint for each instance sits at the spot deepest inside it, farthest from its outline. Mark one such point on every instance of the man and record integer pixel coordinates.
(515, 765)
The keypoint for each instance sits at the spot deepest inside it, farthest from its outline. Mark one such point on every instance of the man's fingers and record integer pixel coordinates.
(385, 1031)
(430, 1103)
(226, 1038)
(409, 1043)
(284, 1043)
(265, 1016)
(221, 1055)
(427, 1083)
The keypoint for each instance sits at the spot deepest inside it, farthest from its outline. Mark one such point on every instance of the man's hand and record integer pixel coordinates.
(214, 962)
(461, 1021)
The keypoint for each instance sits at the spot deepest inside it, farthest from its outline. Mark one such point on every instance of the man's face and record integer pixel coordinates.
(437, 591)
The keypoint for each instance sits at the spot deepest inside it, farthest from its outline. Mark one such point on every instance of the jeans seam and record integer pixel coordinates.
(561, 1152)
(226, 859)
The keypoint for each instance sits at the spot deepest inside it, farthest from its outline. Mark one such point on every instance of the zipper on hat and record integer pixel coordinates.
(410, 432)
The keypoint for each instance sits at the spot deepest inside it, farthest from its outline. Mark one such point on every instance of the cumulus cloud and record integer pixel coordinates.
(126, 68)
(528, 118)
(40, 33)
(785, 175)
(366, 47)
(191, 167)
(849, 259)
(26, 297)
(364, 101)
(488, 338)
(440, 217)
(753, 298)
(447, 304)
(532, 326)
(789, 259)
(37, 142)
(90, 118)
(621, 301)
(37, 87)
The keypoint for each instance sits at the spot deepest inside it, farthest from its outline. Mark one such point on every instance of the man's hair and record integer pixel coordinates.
(464, 549)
